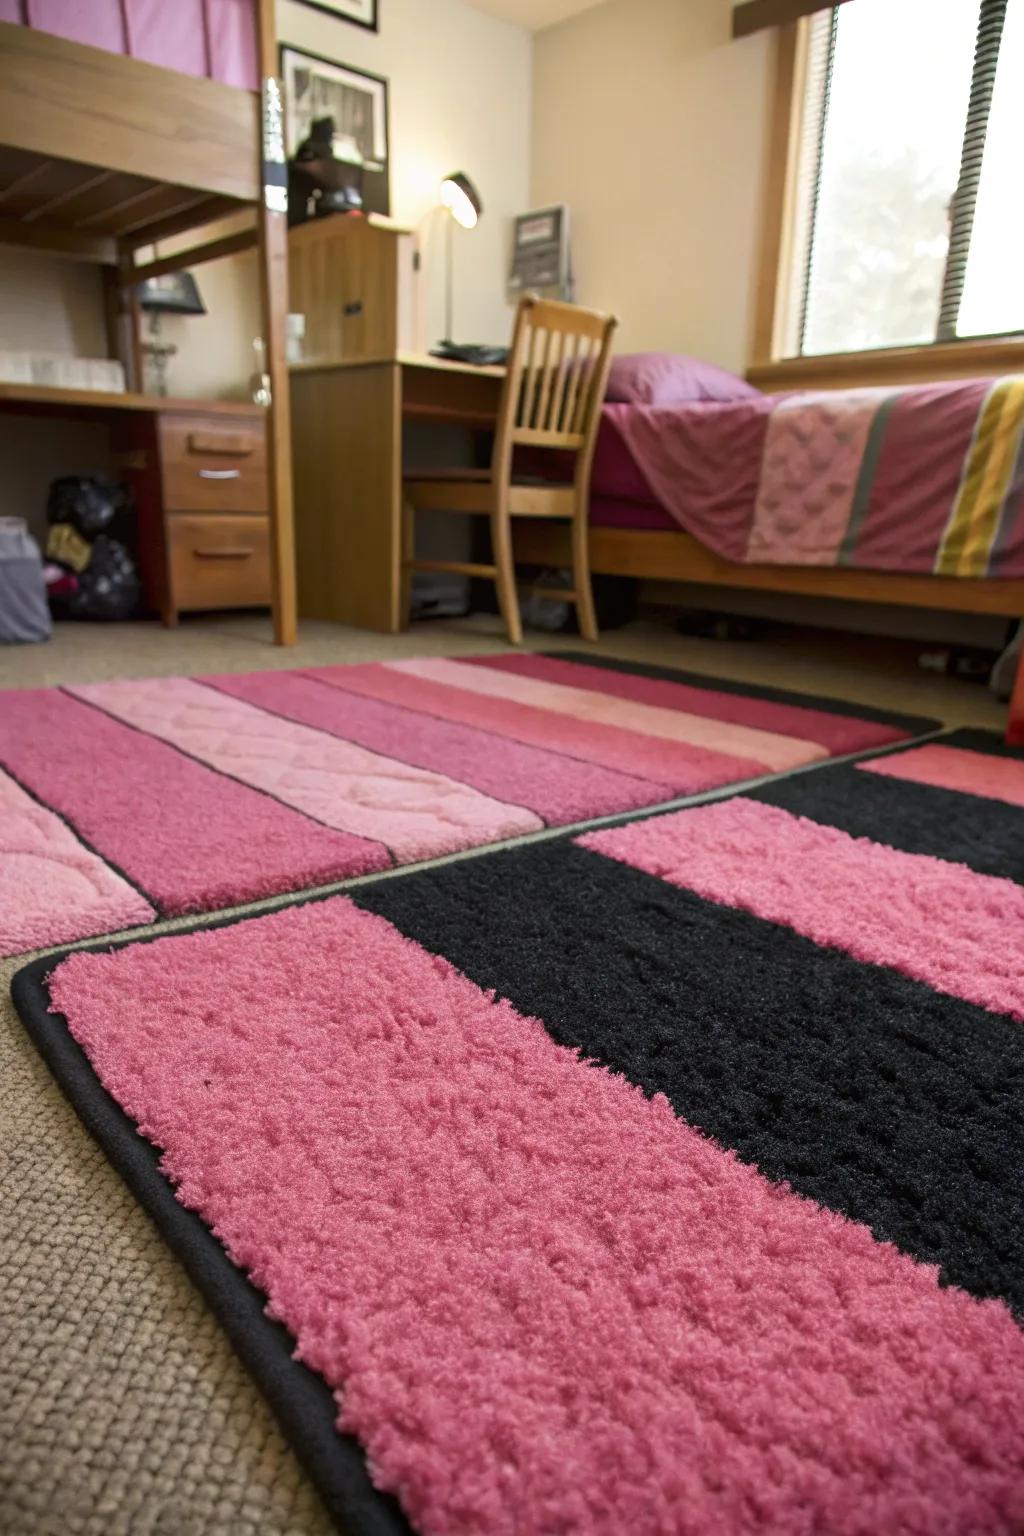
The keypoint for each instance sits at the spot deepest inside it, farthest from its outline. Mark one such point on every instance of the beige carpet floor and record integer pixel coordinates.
(123, 1411)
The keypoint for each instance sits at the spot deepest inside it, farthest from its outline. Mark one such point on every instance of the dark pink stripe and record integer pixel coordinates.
(972, 773)
(559, 789)
(836, 732)
(191, 838)
(672, 767)
(542, 1301)
(961, 932)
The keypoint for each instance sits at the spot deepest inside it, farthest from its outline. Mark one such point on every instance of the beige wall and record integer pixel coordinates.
(652, 125)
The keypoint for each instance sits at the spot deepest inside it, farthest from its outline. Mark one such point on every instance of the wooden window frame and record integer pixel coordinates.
(770, 369)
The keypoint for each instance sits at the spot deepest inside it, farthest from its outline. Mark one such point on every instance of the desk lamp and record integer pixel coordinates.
(465, 205)
(172, 293)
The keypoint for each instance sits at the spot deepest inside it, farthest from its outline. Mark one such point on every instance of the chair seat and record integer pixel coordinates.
(473, 492)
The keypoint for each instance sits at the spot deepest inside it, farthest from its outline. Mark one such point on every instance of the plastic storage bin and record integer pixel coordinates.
(24, 611)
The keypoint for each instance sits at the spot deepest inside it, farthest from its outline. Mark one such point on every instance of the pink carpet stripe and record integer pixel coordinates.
(775, 751)
(558, 789)
(972, 773)
(672, 768)
(961, 932)
(837, 733)
(190, 838)
(542, 1301)
(417, 815)
(52, 888)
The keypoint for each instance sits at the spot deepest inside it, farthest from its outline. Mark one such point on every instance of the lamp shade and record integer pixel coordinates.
(462, 199)
(173, 293)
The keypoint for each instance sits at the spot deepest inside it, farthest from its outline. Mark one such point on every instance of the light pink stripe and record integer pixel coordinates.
(559, 789)
(961, 932)
(52, 888)
(543, 1302)
(838, 733)
(189, 837)
(669, 765)
(417, 815)
(972, 773)
(776, 752)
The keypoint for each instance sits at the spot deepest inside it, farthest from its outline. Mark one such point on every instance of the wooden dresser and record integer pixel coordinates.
(199, 478)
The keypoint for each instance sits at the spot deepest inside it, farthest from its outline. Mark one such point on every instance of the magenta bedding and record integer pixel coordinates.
(926, 479)
(214, 38)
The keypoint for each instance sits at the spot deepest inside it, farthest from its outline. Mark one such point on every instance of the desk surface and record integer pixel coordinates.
(106, 400)
(404, 359)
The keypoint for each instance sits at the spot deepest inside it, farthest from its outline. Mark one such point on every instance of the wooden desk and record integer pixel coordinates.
(198, 474)
(347, 463)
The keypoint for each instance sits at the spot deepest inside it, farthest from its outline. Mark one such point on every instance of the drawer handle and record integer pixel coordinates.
(218, 474)
(227, 553)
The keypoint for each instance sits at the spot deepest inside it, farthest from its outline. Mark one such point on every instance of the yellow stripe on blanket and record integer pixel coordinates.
(966, 546)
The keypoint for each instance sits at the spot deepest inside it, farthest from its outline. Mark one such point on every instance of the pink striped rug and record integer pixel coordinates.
(123, 802)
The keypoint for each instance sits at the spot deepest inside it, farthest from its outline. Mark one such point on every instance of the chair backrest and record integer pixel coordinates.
(556, 379)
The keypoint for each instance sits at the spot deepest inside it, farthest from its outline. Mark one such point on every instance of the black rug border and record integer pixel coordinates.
(845, 707)
(299, 1398)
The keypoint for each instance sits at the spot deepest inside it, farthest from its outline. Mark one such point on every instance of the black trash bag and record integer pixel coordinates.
(90, 573)
(90, 503)
(108, 587)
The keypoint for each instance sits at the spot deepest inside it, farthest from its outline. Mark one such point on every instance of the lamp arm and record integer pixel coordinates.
(449, 285)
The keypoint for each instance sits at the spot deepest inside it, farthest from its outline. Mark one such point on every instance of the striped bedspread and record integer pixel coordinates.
(928, 478)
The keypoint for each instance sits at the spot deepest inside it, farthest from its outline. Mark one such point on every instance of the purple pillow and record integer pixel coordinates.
(667, 378)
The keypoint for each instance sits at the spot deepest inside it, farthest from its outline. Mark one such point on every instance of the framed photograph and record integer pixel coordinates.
(315, 88)
(362, 13)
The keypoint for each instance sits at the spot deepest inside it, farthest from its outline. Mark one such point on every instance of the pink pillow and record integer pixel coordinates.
(667, 378)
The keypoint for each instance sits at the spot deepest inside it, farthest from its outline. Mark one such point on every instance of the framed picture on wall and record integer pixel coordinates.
(315, 88)
(362, 13)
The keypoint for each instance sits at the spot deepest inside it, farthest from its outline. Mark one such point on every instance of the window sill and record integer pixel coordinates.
(892, 365)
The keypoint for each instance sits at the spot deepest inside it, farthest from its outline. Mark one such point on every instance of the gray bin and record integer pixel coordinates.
(24, 611)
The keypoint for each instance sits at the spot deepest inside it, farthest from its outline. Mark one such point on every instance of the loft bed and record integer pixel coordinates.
(638, 538)
(101, 156)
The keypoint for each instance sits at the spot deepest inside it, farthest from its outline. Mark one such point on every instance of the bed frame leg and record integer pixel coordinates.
(1015, 724)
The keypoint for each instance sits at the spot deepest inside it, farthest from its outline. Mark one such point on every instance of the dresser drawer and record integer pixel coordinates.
(219, 562)
(215, 464)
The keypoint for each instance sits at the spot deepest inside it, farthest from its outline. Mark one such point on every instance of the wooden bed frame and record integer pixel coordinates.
(102, 155)
(656, 555)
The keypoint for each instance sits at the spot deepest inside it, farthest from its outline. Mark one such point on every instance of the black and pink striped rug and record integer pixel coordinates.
(663, 1178)
(124, 802)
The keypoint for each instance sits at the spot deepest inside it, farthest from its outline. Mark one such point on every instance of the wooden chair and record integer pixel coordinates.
(554, 386)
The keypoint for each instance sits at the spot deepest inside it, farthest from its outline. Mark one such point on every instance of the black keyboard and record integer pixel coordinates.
(475, 353)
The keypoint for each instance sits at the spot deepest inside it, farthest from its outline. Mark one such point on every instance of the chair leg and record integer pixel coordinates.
(408, 555)
(585, 614)
(505, 580)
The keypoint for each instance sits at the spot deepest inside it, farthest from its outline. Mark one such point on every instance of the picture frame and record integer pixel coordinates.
(360, 13)
(315, 87)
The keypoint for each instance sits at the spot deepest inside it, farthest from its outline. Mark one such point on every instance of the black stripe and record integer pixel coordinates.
(869, 1092)
(986, 835)
(914, 724)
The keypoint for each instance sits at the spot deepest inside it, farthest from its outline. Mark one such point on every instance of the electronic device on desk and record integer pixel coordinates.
(541, 256)
(477, 353)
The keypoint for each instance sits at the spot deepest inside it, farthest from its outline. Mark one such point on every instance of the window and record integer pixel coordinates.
(908, 218)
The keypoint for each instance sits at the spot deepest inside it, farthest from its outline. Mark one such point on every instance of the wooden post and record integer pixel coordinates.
(272, 256)
(1015, 725)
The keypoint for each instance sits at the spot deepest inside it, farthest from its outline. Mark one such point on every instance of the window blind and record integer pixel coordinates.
(821, 56)
(756, 15)
(991, 22)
